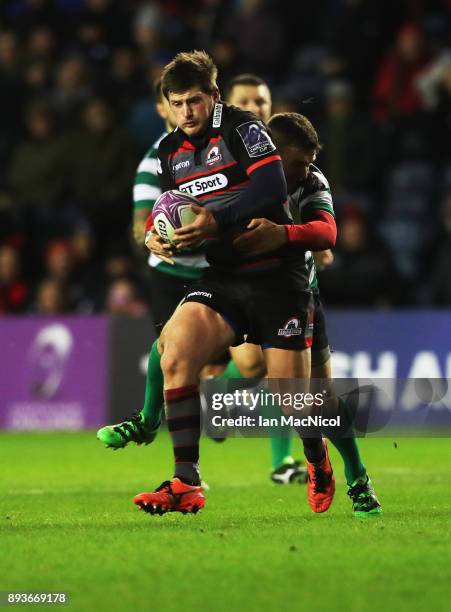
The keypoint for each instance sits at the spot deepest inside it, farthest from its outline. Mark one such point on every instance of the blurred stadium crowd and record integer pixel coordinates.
(76, 115)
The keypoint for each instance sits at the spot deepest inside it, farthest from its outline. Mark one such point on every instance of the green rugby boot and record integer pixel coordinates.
(132, 430)
(364, 500)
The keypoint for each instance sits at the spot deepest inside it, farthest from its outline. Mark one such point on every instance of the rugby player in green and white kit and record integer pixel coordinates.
(312, 208)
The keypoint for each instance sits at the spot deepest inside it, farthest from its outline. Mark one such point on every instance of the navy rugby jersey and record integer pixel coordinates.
(215, 168)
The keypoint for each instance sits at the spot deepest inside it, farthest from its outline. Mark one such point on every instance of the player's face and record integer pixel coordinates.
(296, 165)
(253, 98)
(192, 109)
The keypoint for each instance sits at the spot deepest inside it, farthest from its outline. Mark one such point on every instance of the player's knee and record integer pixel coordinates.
(253, 368)
(176, 369)
(170, 364)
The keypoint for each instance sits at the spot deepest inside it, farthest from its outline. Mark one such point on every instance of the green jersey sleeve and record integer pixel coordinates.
(317, 195)
(147, 188)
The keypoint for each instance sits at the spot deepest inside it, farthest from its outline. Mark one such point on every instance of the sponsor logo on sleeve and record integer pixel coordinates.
(255, 138)
(205, 185)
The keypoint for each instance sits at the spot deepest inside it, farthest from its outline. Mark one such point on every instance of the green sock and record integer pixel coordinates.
(281, 441)
(280, 450)
(349, 451)
(280, 447)
(153, 399)
(231, 371)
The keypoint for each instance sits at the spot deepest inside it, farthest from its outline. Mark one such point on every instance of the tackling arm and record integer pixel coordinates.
(318, 233)
(264, 236)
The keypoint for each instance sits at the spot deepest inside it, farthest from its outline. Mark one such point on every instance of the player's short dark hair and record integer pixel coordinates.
(294, 130)
(244, 79)
(187, 70)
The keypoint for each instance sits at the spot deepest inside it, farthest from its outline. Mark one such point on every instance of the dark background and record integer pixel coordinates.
(76, 116)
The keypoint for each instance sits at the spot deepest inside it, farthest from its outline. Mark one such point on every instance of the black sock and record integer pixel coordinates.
(183, 416)
(314, 450)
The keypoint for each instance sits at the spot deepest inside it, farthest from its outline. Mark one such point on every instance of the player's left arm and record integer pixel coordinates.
(194, 234)
(257, 155)
(146, 190)
(317, 233)
(266, 187)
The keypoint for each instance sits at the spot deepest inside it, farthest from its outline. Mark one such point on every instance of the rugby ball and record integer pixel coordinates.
(171, 211)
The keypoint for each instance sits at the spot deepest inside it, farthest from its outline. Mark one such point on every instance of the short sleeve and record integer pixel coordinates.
(147, 183)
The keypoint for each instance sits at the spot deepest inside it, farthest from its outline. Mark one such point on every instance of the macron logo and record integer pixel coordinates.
(182, 164)
(200, 294)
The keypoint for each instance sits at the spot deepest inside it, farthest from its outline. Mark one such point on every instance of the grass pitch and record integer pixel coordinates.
(67, 524)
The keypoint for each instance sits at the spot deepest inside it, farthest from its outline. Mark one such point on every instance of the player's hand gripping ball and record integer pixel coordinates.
(171, 211)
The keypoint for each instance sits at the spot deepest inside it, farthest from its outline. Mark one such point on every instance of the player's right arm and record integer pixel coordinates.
(148, 235)
(193, 234)
(323, 259)
(139, 224)
(156, 244)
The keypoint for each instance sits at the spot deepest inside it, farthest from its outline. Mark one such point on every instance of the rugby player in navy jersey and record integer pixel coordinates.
(169, 278)
(232, 166)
